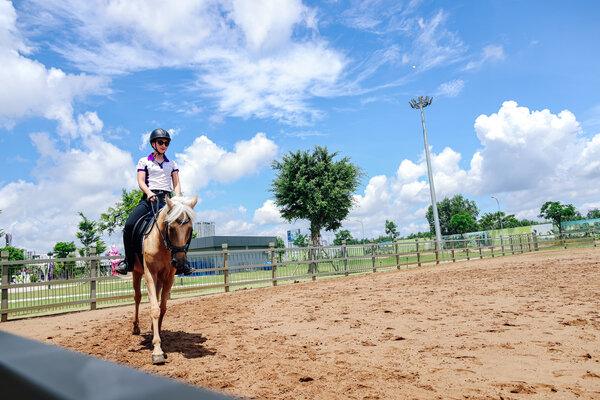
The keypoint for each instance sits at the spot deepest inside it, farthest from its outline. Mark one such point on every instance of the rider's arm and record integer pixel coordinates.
(176, 186)
(141, 176)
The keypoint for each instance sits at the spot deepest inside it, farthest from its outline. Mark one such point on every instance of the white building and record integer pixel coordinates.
(204, 229)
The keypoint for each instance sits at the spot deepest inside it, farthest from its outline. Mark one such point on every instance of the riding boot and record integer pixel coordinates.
(123, 267)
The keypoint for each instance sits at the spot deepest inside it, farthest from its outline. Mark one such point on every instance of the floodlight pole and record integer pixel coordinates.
(499, 216)
(421, 103)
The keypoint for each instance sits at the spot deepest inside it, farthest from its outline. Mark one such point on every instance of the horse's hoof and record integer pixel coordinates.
(159, 360)
(136, 330)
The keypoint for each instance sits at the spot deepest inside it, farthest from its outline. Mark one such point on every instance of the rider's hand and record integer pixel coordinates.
(152, 198)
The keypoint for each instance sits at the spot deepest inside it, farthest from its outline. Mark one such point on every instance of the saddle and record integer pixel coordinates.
(142, 228)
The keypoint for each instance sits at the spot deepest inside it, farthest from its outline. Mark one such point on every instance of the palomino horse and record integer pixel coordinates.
(164, 249)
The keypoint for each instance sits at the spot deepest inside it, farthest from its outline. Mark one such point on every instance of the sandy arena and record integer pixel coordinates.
(517, 327)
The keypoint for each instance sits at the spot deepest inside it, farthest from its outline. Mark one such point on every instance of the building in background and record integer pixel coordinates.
(204, 229)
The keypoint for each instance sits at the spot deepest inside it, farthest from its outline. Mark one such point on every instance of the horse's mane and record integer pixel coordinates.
(180, 205)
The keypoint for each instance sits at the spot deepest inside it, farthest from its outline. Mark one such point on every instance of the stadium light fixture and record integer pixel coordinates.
(420, 103)
(499, 216)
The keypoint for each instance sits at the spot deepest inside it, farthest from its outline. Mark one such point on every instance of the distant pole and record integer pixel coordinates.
(499, 216)
(421, 103)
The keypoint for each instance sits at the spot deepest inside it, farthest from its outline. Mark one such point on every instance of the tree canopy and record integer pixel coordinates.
(341, 235)
(89, 237)
(63, 249)
(448, 208)
(557, 212)
(311, 185)
(14, 254)
(115, 217)
(391, 229)
(462, 223)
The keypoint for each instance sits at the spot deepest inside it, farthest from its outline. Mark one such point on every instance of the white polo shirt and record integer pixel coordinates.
(158, 175)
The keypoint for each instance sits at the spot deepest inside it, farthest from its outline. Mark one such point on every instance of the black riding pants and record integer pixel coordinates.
(143, 208)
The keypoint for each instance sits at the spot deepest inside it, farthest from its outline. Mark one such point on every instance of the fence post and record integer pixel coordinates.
(373, 256)
(418, 254)
(345, 257)
(594, 237)
(452, 246)
(225, 267)
(466, 243)
(4, 308)
(492, 246)
(535, 242)
(273, 266)
(93, 266)
(502, 243)
(512, 247)
(397, 254)
(437, 252)
(312, 256)
(479, 243)
(564, 240)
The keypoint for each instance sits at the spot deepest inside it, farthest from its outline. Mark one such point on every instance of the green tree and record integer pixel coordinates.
(463, 223)
(14, 254)
(301, 241)
(89, 237)
(557, 212)
(593, 214)
(343, 235)
(390, 229)
(448, 208)
(64, 250)
(115, 217)
(279, 243)
(311, 185)
(492, 221)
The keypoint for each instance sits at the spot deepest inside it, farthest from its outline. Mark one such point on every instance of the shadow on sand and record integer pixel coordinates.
(188, 344)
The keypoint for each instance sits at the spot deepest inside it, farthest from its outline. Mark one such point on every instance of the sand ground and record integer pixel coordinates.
(516, 327)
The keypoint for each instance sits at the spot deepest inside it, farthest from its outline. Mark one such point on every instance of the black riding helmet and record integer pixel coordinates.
(159, 133)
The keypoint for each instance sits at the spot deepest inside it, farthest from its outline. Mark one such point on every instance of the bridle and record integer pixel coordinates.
(165, 237)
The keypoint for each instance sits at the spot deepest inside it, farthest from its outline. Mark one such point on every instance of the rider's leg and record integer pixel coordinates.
(128, 262)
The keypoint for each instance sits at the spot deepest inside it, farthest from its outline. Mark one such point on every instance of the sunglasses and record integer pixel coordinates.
(163, 142)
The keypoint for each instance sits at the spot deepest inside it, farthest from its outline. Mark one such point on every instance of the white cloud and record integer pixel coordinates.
(490, 53)
(68, 182)
(204, 161)
(434, 45)
(268, 214)
(258, 59)
(30, 89)
(527, 158)
(450, 89)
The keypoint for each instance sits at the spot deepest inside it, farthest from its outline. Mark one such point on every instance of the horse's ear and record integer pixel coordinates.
(194, 201)
(169, 202)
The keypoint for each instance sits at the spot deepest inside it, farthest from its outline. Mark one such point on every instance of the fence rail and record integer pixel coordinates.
(85, 284)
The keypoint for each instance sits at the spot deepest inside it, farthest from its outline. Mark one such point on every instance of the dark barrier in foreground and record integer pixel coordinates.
(35, 370)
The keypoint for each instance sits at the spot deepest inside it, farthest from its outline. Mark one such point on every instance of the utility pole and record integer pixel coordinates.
(421, 103)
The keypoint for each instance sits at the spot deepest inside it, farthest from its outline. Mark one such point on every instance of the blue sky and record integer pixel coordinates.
(516, 110)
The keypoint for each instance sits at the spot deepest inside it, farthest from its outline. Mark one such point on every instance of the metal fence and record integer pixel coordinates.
(80, 283)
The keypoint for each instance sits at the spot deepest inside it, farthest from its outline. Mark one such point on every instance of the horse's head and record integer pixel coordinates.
(179, 224)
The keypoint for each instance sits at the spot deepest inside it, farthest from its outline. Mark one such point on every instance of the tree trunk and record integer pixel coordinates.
(314, 243)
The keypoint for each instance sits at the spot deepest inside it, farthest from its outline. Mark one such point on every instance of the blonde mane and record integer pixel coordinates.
(180, 205)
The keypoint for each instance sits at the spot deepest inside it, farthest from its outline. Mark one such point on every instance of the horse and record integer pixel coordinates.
(164, 250)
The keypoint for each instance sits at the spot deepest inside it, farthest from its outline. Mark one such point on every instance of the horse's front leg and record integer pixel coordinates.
(158, 357)
(137, 296)
(166, 291)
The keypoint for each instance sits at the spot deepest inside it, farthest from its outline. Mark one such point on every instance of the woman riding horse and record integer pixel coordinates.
(157, 176)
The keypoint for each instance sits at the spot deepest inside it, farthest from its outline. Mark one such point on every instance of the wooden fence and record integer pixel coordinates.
(90, 287)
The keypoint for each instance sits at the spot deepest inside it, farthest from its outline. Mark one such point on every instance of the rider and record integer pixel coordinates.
(157, 176)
